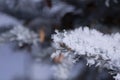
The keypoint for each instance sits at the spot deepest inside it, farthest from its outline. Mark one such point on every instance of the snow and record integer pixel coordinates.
(98, 48)
(24, 34)
(20, 34)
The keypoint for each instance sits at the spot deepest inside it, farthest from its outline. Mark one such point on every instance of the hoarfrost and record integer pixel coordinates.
(20, 34)
(100, 49)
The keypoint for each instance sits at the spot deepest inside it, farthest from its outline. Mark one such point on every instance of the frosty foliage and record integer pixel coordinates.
(99, 49)
(20, 34)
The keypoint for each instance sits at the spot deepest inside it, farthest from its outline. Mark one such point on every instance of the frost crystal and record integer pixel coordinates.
(20, 34)
(100, 49)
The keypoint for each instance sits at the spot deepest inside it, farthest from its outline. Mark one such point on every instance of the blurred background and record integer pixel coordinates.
(43, 17)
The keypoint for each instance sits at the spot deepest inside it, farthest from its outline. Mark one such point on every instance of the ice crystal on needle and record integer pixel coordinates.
(100, 49)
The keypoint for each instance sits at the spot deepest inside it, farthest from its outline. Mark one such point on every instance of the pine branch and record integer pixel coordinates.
(99, 49)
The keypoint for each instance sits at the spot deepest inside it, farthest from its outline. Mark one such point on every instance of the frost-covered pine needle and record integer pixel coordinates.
(20, 34)
(100, 49)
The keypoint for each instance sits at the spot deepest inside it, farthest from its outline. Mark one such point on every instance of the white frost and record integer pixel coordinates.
(100, 49)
